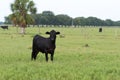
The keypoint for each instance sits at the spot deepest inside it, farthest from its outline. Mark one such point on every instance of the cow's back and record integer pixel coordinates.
(40, 43)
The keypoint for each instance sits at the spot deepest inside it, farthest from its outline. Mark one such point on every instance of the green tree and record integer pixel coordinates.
(21, 13)
(48, 17)
(62, 19)
(79, 21)
(109, 22)
(7, 20)
(37, 19)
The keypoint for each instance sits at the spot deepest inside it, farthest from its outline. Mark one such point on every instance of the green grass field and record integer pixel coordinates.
(73, 60)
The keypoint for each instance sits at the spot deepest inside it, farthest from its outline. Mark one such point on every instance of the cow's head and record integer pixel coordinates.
(53, 34)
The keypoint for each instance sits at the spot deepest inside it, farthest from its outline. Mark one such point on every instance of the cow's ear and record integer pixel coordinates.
(47, 32)
(57, 32)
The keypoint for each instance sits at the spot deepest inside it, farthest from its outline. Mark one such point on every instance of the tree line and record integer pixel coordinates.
(49, 18)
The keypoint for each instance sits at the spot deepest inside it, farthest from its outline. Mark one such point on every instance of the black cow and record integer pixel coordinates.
(44, 45)
(100, 29)
(4, 27)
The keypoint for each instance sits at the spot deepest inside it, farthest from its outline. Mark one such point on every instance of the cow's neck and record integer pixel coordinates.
(53, 40)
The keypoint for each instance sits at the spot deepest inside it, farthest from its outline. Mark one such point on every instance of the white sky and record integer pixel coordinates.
(103, 9)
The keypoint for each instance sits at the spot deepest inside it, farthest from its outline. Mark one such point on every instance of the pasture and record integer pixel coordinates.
(73, 60)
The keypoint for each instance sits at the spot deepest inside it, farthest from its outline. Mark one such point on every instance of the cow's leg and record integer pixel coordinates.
(52, 54)
(34, 54)
(46, 55)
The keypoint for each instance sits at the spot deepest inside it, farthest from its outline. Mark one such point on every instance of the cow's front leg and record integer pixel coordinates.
(46, 55)
(52, 54)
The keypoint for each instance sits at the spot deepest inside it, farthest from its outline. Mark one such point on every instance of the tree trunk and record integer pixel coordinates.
(17, 29)
(22, 30)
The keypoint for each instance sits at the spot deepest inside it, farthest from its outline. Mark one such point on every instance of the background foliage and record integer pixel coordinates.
(49, 18)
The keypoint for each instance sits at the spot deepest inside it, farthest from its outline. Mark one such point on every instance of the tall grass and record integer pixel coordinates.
(73, 60)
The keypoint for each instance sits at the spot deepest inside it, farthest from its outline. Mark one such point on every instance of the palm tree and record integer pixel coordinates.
(21, 13)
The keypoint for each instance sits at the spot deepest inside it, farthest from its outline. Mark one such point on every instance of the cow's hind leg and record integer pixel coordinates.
(34, 55)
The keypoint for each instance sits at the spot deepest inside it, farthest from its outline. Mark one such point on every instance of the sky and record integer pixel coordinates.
(103, 9)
